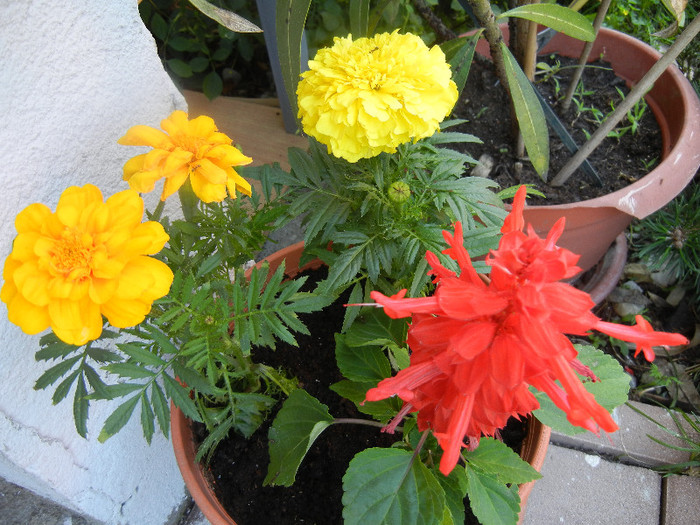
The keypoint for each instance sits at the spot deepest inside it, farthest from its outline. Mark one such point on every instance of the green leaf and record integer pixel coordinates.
(359, 18)
(80, 408)
(146, 418)
(377, 328)
(141, 354)
(226, 18)
(459, 53)
(455, 487)
(117, 419)
(361, 363)
(212, 85)
(498, 460)
(290, 21)
(300, 421)
(560, 18)
(492, 502)
(382, 410)
(52, 374)
(529, 114)
(389, 486)
(610, 392)
(199, 64)
(194, 379)
(117, 390)
(181, 397)
(64, 387)
(131, 370)
(159, 27)
(161, 408)
(180, 68)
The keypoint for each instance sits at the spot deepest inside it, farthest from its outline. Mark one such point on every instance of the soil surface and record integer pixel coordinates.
(238, 466)
(618, 162)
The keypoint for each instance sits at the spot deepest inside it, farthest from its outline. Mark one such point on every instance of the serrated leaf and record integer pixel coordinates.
(80, 407)
(299, 422)
(226, 18)
(356, 391)
(117, 419)
(117, 390)
(141, 354)
(492, 502)
(387, 486)
(561, 19)
(64, 387)
(498, 460)
(529, 113)
(361, 363)
(610, 392)
(53, 348)
(131, 370)
(455, 487)
(147, 418)
(52, 374)
(181, 397)
(377, 329)
(194, 379)
(161, 409)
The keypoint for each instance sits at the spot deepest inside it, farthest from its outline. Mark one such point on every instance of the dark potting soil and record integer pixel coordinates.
(238, 466)
(618, 162)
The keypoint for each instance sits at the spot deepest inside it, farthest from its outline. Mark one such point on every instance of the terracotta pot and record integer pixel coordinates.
(592, 225)
(533, 451)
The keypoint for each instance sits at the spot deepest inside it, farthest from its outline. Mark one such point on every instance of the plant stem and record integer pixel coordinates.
(632, 98)
(599, 17)
(442, 32)
(357, 421)
(484, 14)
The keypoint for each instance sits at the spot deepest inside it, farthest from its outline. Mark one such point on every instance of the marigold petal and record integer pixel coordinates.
(125, 209)
(75, 322)
(133, 165)
(237, 183)
(31, 218)
(211, 172)
(145, 181)
(102, 290)
(32, 319)
(206, 191)
(74, 202)
(174, 182)
(141, 135)
(32, 283)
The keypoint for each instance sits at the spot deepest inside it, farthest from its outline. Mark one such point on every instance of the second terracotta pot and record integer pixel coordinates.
(593, 225)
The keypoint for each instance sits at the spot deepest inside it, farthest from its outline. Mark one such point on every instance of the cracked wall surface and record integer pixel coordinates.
(76, 75)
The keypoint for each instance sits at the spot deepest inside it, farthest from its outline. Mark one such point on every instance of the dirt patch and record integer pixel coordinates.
(619, 163)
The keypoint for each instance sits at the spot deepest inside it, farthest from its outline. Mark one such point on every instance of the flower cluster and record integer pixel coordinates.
(189, 149)
(478, 344)
(368, 96)
(87, 259)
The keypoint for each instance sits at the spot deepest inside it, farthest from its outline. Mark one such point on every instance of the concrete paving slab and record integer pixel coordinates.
(681, 502)
(578, 488)
(631, 444)
(19, 506)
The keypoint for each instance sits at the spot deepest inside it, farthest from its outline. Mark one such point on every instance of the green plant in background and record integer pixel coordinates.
(202, 54)
(669, 240)
(687, 431)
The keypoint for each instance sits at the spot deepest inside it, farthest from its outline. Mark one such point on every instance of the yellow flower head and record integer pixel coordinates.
(88, 259)
(188, 148)
(368, 96)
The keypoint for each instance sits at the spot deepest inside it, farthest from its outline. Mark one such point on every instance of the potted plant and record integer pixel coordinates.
(92, 271)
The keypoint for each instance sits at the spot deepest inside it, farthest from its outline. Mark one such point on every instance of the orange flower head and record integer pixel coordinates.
(477, 345)
(192, 149)
(86, 260)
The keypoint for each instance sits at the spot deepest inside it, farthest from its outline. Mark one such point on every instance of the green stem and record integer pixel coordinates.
(158, 212)
(486, 17)
(357, 421)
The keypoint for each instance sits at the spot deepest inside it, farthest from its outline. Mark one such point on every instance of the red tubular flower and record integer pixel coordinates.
(477, 345)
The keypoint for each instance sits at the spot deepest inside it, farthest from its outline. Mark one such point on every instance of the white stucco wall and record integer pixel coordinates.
(74, 76)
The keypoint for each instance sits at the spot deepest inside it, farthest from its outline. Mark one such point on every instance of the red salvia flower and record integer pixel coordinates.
(477, 344)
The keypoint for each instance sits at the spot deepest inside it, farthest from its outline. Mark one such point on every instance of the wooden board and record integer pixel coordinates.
(254, 125)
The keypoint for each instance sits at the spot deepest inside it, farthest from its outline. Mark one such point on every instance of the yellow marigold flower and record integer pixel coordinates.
(188, 148)
(88, 259)
(368, 96)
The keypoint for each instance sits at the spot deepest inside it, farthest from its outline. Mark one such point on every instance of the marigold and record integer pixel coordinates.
(88, 259)
(368, 96)
(478, 344)
(188, 148)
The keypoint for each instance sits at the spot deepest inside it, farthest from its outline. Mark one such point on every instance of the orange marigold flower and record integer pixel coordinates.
(188, 148)
(477, 345)
(87, 259)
